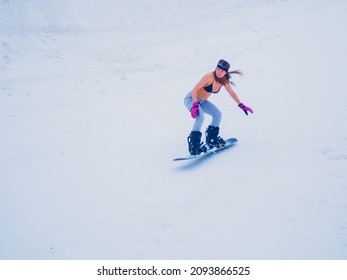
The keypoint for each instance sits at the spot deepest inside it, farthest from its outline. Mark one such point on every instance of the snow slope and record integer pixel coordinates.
(91, 115)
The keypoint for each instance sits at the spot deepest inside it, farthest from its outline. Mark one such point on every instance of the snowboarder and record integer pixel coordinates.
(197, 103)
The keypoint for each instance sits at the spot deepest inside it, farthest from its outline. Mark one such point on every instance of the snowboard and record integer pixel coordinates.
(228, 142)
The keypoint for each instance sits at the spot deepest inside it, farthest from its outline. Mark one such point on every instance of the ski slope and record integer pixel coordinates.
(92, 114)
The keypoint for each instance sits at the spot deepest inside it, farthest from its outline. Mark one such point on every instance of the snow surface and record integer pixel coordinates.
(92, 114)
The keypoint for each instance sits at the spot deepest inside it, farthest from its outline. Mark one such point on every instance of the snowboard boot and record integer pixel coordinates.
(212, 138)
(195, 147)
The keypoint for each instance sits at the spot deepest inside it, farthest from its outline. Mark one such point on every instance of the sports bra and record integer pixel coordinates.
(209, 88)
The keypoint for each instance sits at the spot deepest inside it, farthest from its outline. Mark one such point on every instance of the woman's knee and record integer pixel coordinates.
(218, 114)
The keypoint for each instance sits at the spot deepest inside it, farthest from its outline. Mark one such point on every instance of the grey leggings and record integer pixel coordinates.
(205, 107)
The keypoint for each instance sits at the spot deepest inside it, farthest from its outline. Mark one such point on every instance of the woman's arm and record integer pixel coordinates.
(237, 100)
(232, 93)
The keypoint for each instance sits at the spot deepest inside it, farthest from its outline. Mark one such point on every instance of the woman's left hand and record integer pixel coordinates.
(245, 108)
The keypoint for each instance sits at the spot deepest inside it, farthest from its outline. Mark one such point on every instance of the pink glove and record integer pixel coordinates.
(245, 108)
(194, 111)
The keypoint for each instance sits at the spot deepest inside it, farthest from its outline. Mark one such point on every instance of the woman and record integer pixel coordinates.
(197, 103)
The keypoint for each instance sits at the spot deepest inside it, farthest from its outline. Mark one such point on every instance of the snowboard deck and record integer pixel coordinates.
(228, 142)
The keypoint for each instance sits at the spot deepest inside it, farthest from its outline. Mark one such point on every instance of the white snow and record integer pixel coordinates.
(92, 114)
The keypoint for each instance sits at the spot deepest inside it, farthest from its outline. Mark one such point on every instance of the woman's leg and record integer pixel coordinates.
(213, 111)
(188, 102)
(212, 132)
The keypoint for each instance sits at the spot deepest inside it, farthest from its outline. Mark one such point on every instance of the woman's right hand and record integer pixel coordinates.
(194, 111)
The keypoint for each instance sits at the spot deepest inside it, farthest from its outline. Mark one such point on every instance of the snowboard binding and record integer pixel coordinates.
(195, 146)
(212, 138)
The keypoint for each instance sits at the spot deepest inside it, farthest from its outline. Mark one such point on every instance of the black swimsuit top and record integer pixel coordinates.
(209, 88)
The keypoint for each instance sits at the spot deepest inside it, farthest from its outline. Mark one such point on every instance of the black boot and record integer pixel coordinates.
(195, 147)
(212, 138)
